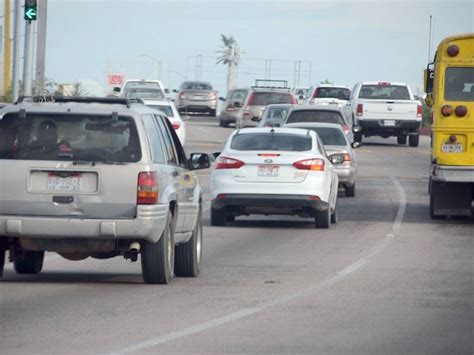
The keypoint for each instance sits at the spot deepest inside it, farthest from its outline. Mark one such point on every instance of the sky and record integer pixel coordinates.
(342, 41)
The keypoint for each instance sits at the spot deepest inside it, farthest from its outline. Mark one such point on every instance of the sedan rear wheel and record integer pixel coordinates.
(218, 217)
(350, 190)
(158, 258)
(29, 262)
(334, 216)
(188, 255)
(323, 219)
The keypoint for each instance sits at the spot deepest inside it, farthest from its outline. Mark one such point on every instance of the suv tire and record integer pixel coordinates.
(402, 139)
(158, 258)
(350, 190)
(218, 217)
(358, 137)
(414, 140)
(188, 255)
(334, 216)
(323, 219)
(30, 262)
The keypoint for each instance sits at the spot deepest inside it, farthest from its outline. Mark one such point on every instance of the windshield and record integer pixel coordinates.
(143, 93)
(69, 137)
(271, 141)
(268, 98)
(167, 110)
(384, 92)
(315, 116)
(333, 93)
(459, 84)
(197, 86)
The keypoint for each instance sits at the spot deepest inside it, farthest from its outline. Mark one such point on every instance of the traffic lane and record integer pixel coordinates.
(243, 267)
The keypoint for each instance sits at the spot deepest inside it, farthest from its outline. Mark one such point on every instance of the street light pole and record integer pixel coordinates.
(41, 47)
(16, 52)
(28, 57)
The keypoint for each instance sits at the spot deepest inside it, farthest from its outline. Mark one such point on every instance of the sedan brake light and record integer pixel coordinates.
(147, 188)
(176, 125)
(315, 164)
(346, 130)
(228, 163)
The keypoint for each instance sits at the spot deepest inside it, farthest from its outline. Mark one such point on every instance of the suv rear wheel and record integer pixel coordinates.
(188, 255)
(323, 219)
(350, 190)
(29, 262)
(158, 258)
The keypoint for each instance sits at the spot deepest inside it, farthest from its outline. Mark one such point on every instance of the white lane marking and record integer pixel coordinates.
(340, 275)
(402, 204)
(203, 129)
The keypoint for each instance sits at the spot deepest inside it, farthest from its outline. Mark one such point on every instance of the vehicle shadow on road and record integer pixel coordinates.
(67, 277)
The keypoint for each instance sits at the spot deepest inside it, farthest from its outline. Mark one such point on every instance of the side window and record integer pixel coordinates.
(154, 138)
(169, 146)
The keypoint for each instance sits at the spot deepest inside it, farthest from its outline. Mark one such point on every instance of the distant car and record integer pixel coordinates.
(169, 109)
(258, 98)
(327, 94)
(196, 96)
(339, 150)
(273, 171)
(232, 106)
(275, 115)
(100, 178)
(300, 93)
(326, 114)
(142, 89)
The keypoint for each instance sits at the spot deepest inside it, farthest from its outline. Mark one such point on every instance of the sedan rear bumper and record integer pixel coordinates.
(346, 175)
(270, 201)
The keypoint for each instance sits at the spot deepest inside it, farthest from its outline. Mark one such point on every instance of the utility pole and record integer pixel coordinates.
(41, 47)
(7, 50)
(198, 67)
(429, 38)
(16, 52)
(28, 58)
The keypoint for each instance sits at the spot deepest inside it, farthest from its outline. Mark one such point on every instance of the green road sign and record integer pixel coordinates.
(31, 12)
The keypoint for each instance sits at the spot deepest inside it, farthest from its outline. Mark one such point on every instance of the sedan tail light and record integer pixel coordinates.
(183, 96)
(176, 125)
(315, 164)
(228, 163)
(346, 129)
(147, 188)
(246, 111)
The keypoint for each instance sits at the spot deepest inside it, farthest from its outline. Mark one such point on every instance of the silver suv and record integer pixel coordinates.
(98, 177)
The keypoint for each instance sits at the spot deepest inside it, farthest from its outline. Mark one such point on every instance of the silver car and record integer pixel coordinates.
(196, 96)
(275, 115)
(339, 150)
(96, 177)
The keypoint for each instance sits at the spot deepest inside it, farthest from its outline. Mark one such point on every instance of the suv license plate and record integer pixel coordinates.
(268, 170)
(69, 184)
(451, 148)
(389, 123)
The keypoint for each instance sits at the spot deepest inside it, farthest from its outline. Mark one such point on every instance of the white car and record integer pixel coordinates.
(328, 94)
(168, 108)
(142, 89)
(274, 171)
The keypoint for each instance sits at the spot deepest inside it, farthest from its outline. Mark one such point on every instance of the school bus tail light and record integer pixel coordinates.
(461, 111)
(453, 50)
(447, 110)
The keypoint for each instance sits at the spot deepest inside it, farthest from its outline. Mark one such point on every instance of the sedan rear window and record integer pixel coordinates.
(163, 108)
(197, 86)
(315, 116)
(330, 136)
(384, 91)
(143, 93)
(271, 141)
(268, 98)
(69, 137)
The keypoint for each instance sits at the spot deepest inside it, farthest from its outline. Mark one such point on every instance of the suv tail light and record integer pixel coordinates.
(293, 100)
(228, 163)
(252, 96)
(147, 189)
(315, 164)
(176, 125)
(346, 129)
(419, 111)
(360, 110)
(315, 95)
(246, 111)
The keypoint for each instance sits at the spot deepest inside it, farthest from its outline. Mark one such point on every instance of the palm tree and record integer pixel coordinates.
(230, 57)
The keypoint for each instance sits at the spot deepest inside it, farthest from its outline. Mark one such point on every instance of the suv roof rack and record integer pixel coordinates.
(271, 84)
(81, 99)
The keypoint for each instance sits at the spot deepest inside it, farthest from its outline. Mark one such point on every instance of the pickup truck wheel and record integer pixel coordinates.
(334, 216)
(212, 113)
(414, 140)
(432, 214)
(323, 219)
(224, 124)
(29, 262)
(350, 190)
(358, 137)
(188, 255)
(402, 139)
(158, 258)
(218, 217)
(2, 262)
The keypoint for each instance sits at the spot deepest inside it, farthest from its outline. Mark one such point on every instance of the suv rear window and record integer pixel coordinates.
(315, 116)
(271, 141)
(69, 137)
(382, 92)
(268, 98)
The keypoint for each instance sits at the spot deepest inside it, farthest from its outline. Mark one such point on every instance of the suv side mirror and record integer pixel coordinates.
(199, 161)
(116, 89)
(175, 91)
(256, 119)
(167, 91)
(221, 98)
(237, 104)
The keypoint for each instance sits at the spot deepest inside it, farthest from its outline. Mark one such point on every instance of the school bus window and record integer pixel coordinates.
(459, 84)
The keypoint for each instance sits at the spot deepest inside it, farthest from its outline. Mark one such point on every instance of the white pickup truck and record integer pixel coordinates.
(385, 109)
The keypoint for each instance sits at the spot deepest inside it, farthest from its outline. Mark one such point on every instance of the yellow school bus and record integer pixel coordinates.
(449, 84)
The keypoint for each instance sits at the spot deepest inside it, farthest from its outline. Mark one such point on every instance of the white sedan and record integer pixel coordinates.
(170, 111)
(282, 171)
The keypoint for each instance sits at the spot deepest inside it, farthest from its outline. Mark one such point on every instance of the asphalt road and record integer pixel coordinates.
(385, 280)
